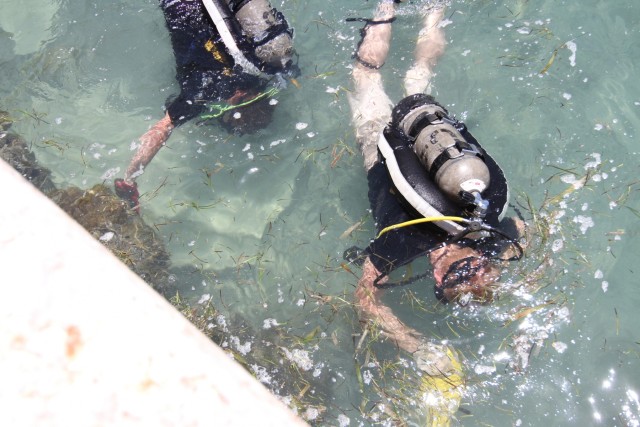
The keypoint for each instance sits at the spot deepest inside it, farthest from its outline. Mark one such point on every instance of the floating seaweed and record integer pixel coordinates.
(273, 356)
(15, 151)
(108, 219)
(105, 216)
(5, 121)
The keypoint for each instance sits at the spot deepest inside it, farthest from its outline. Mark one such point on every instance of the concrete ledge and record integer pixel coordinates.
(85, 342)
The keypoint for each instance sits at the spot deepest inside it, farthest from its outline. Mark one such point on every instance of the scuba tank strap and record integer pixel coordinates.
(236, 5)
(427, 118)
(462, 148)
(421, 122)
(282, 27)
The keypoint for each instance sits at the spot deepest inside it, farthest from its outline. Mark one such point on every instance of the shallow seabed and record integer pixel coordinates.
(257, 225)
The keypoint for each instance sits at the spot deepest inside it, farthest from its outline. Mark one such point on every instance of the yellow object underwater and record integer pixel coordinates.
(442, 391)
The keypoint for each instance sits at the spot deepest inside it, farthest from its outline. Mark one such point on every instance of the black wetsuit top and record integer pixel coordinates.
(398, 247)
(204, 69)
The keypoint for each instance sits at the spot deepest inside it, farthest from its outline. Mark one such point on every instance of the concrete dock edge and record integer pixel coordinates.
(85, 342)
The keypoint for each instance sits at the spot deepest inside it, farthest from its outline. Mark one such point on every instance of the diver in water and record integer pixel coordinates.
(231, 57)
(433, 190)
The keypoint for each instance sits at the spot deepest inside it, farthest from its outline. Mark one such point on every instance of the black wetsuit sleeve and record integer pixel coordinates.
(182, 109)
(397, 247)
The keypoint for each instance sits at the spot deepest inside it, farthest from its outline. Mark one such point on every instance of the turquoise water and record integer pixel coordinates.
(259, 223)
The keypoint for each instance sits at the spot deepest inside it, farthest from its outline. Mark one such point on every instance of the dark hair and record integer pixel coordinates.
(250, 118)
(462, 276)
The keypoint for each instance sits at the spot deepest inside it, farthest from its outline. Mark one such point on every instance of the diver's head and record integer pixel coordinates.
(250, 117)
(463, 274)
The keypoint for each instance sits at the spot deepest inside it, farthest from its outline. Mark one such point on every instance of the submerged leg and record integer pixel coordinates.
(429, 47)
(370, 105)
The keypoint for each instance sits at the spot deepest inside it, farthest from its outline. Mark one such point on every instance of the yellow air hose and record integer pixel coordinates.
(423, 220)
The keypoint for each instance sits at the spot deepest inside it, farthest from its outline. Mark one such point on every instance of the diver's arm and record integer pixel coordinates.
(429, 47)
(150, 144)
(370, 309)
(371, 110)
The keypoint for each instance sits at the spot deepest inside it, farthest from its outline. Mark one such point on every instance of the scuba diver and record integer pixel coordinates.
(231, 57)
(433, 191)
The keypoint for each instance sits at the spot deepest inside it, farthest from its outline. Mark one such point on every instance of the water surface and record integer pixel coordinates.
(257, 223)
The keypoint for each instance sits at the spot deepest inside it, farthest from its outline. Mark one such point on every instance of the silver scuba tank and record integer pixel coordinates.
(256, 17)
(453, 164)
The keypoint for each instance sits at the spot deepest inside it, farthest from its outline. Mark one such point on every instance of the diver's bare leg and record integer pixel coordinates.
(370, 105)
(374, 47)
(429, 47)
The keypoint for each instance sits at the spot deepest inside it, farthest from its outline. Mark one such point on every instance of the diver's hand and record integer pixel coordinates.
(437, 360)
(128, 192)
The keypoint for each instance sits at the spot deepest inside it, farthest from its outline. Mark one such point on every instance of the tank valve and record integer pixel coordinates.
(480, 205)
